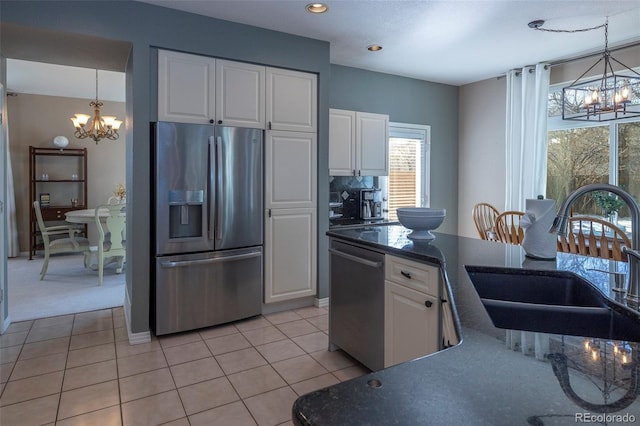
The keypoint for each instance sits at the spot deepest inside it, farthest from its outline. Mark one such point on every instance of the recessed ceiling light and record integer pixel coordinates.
(317, 8)
(374, 47)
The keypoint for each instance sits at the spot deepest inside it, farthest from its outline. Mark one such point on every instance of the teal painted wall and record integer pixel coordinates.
(408, 100)
(149, 27)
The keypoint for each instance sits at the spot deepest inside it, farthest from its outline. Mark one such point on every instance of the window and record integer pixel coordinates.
(409, 157)
(580, 153)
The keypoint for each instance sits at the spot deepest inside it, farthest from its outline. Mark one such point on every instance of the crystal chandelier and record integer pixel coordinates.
(105, 127)
(612, 96)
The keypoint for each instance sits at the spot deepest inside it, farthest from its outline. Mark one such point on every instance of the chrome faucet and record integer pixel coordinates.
(560, 227)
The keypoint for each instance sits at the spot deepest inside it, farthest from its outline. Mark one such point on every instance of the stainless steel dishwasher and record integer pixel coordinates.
(356, 303)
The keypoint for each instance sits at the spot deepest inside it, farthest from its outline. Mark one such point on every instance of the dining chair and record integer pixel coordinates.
(508, 227)
(484, 217)
(606, 242)
(111, 243)
(69, 244)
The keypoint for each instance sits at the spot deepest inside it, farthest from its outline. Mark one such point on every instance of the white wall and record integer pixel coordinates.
(482, 124)
(481, 161)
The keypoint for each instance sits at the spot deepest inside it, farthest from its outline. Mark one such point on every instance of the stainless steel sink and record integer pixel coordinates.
(552, 302)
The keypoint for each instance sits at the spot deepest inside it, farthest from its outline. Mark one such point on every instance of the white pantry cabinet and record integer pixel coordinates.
(290, 217)
(411, 310)
(290, 169)
(290, 254)
(202, 90)
(358, 143)
(292, 100)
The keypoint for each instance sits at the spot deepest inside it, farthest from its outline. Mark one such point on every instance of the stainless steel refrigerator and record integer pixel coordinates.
(208, 225)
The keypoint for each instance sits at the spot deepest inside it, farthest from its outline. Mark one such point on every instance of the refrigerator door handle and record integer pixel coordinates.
(212, 188)
(185, 263)
(220, 188)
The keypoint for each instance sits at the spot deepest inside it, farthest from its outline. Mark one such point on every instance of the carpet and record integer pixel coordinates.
(67, 287)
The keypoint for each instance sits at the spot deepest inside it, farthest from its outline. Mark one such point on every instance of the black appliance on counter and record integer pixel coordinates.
(370, 203)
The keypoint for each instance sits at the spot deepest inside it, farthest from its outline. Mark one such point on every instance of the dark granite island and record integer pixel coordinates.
(480, 381)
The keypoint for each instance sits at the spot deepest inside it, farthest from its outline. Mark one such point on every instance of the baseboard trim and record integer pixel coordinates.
(6, 324)
(321, 303)
(134, 338)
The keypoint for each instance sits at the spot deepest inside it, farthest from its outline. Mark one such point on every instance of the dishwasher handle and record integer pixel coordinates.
(356, 258)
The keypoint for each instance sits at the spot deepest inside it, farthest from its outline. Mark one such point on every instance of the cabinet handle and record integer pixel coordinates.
(359, 171)
(269, 125)
(354, 172)
(428, 303)
(211, 121)
(219, 121)
(406, 274)
(269, 212)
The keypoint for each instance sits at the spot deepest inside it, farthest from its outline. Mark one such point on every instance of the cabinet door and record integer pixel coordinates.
(240, 98)
(411, 324)
(290, 254)
(342, 142)
(292, 99)
(186, 88)
(372, 144)
(290, 169)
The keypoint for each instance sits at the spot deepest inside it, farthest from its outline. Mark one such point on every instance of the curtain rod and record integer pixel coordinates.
(581, 57)
(591, 55)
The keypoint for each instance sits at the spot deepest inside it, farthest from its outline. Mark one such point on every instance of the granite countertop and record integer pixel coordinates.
(481, 381)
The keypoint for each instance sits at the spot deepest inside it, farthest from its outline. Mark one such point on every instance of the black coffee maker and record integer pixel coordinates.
(370, 203)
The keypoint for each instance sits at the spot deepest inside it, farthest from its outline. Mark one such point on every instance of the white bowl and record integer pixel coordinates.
(421, 220)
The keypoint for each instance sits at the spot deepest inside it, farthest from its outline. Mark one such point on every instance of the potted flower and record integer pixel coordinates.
(120, 193)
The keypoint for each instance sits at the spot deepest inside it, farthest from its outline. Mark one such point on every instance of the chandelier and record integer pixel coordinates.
(612, 96)
(105, 127)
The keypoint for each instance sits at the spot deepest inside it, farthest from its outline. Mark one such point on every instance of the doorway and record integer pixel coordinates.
(52, 49)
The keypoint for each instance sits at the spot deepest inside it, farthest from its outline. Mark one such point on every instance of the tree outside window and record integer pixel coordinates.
(582, 153)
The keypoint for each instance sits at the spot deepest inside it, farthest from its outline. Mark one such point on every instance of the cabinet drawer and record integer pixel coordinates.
(54, 213)
(418, 276)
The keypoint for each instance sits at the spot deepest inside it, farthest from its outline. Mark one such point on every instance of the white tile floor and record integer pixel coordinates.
(80, 370)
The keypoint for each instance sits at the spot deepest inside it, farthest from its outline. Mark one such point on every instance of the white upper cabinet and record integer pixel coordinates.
(342, 147)
(186, 87)
(372, 144)
(240, 99)
(358, 143)
(292, 100)
(290, 169)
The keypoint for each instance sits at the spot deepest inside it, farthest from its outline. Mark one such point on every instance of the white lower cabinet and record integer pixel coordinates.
(290, 254)
(412, 314)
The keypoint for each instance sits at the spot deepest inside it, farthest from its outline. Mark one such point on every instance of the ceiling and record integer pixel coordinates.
(447, 41)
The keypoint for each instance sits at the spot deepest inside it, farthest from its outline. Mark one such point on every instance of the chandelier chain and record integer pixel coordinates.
(578, 30)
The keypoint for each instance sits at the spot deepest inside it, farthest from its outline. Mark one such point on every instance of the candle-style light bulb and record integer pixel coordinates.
(625, 93)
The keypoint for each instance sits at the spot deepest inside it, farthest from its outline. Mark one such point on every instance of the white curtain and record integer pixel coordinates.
(526, 135)
(526, 158)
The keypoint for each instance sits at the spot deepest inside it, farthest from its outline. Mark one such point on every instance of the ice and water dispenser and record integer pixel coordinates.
(186, 210)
